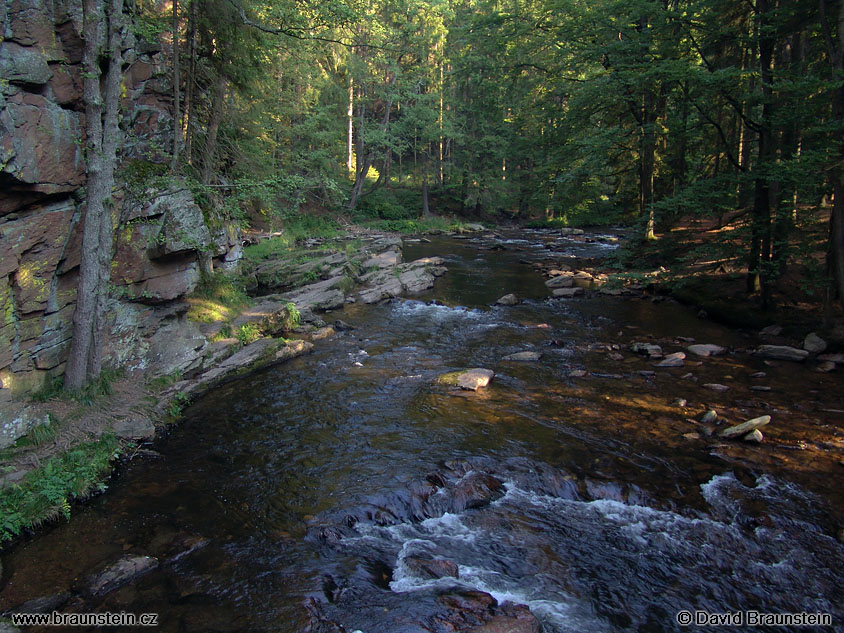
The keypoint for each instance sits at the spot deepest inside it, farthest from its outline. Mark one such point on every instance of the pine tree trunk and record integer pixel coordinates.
(177, 115)
(103, 34)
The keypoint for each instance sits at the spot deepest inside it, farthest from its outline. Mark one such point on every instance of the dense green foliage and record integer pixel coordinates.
(47, 491)
(586, 112)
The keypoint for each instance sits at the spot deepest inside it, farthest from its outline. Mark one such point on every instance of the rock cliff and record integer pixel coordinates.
(159, 234)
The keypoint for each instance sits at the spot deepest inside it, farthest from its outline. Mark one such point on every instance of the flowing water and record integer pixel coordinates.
(608, 518)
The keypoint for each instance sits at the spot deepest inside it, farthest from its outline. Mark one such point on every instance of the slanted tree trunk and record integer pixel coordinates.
(218, 107)
(103, 72)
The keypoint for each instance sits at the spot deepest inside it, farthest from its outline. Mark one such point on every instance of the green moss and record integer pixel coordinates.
(46, 492)
(450, 378)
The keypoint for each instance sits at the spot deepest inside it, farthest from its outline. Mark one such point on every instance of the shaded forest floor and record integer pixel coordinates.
(704, 264)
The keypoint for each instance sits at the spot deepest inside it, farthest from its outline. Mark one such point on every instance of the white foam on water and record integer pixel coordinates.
(435, 311)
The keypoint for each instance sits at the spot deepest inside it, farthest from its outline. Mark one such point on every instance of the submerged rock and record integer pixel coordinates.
(716, 386)
(469, 379)
(45, 604)
(745, 427)
(523, 356)
(508, 300)
(125, 570)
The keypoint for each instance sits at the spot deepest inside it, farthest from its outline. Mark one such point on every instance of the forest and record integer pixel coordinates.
(649, 112)
(422, 315)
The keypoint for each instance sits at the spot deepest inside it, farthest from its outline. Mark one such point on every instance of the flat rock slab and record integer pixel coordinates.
(568, 293)
(123, 571)
(135, 427)
(706, 350)
(782, 352)
(384, 260)
(745, 427)
(524, 357)
(469, 379)
(564, 280)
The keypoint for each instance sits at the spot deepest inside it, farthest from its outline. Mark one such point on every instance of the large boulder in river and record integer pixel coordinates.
(469, 379)
(814, 344)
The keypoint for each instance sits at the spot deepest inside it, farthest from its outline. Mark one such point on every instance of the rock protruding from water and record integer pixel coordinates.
(647, 349)
(673, 360)
(469, 379)
(432, 568)
(754, 436)
(706, 349)
(745, 427)
(478, 612)
(563, 280)
(508, 300)
(125, 570)
(814, 344)
(709, 417)
(524, 357)
(782, 352)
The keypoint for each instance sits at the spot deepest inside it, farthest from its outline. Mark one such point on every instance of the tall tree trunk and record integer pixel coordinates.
(177, 115)
(217, 109)
(103, 35)
(835, 263)
(426, 210)
(190, 84)
(350, 114)
(647, 164)
(760, 240)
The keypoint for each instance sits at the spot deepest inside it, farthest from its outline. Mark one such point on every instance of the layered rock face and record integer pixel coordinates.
(159, 235)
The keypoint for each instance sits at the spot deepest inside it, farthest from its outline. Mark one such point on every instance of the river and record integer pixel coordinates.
(607, 518)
